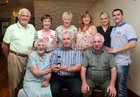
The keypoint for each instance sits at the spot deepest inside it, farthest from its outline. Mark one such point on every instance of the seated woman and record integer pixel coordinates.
(38, 73)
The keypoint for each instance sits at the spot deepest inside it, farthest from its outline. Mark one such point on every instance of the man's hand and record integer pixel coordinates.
(64, 68)
(113, 50)
(111, 91)
(85, 88)
(55, 68)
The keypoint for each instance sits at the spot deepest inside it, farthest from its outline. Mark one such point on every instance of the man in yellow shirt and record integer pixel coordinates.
(17, 42)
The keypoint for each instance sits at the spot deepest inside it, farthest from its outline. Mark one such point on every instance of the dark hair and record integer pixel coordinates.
(46, 16)
(84, 14)
(118, 10)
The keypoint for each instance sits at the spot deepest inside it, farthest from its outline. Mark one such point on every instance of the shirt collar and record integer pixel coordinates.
(121, 24)
(20, 26)
(102, 50)
(71, 47)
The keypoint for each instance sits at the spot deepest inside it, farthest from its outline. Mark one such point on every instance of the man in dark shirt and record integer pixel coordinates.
(99, 69)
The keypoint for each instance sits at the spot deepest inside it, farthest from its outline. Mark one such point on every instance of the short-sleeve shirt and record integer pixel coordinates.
(42, 63)
(60, 30)
(121, 35)
(106, 35)
(98, 65)
(67, 58)
(19, 38)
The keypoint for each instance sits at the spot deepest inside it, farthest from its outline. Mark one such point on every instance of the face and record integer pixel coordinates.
(97, 43)
(67, 21)
(46, 23)
(117, 17)
(41, 48)
(86, 19)
(104, 20)
(66, 40)
(24, 18)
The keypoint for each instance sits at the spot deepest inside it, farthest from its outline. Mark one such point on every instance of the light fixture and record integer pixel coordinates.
(3, 2)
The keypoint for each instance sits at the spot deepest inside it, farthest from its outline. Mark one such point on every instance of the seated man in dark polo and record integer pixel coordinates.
(99, 69)
(66, 64)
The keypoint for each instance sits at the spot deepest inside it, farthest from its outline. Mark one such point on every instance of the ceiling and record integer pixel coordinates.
(12, 4)
(8, 7)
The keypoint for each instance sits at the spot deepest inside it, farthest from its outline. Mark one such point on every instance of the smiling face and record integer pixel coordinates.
(24, 17)
(46, 23)
(104, 19)
(67, 21)
(97, 42)
(67, 18)
(41, 47)
(117, 16)
(66, 40)
(86, 19)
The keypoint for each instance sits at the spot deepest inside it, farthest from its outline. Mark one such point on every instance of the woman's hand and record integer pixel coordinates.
(45, 83)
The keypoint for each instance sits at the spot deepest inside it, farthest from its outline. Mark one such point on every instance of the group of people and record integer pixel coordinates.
(79, 59)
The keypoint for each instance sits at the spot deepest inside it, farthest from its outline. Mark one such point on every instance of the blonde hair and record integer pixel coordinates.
(105, 14)
(67, 14)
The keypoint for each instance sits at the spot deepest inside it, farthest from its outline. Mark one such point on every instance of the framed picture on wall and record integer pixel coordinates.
(4, 26)
(4, 23)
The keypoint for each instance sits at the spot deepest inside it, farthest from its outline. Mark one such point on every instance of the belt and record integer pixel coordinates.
(18, 54)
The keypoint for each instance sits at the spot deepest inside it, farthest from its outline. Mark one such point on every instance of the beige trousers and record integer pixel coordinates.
(16, 65)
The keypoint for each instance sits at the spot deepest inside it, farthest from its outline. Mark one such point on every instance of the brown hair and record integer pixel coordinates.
(84, 14)
(118, 10)
(46, 16)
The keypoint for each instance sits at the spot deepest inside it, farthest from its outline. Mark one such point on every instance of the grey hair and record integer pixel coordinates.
(23, 9)
(42, 41)
(98, 34)
(66, 32)
(67, 14)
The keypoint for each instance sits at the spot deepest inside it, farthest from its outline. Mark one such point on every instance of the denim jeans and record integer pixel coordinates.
(122, 80)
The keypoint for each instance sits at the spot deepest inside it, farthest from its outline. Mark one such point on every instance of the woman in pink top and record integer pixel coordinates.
(85, 32)
(47, 33)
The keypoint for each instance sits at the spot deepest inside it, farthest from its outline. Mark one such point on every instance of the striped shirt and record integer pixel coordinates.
(68, 58)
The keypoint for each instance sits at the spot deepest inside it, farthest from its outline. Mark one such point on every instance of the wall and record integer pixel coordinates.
(56, 8)
(6, 10)
(131, 16)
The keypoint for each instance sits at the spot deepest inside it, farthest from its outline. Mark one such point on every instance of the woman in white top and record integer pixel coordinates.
(85, 32)
(47, 33)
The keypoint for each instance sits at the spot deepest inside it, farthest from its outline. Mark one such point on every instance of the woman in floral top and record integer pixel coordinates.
(85, 32)
(47, 33)
(65, 27)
